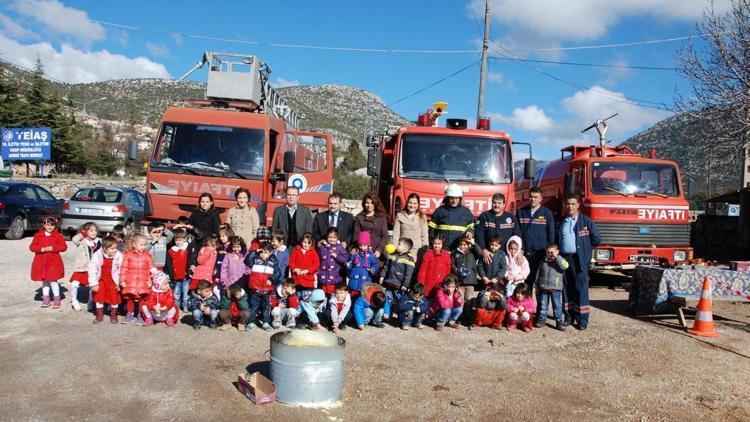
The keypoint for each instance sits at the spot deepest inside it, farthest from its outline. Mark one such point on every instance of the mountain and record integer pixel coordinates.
(345, 112)
(690, 141)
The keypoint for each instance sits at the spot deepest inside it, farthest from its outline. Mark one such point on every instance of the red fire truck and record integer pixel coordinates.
(637, 202)
(425, 158)
(241, 135)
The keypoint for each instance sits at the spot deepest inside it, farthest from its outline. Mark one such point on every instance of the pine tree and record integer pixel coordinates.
(354, 158)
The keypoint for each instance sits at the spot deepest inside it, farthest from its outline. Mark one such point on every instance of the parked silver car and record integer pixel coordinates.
(105, 206)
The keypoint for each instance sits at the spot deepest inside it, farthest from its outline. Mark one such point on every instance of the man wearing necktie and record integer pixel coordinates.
(334, 217)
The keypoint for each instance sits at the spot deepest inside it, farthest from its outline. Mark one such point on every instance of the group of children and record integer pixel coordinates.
(225, 282)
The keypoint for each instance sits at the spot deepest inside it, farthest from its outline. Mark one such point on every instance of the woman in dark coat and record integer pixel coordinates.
(204, 220)
(372, 219)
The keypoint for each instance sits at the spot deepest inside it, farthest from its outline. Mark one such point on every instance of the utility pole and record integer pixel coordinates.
(485, 47)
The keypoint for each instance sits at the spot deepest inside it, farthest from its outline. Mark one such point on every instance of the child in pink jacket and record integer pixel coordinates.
(518, 265)
(205, 263)
(448, 304)
(521, 308)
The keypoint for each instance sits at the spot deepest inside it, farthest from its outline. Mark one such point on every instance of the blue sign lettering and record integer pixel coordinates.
(26, 144)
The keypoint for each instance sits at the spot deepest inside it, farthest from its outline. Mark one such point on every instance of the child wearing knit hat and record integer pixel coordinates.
(363, 265)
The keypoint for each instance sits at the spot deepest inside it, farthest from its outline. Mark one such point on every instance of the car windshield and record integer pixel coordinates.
(211, 150)
(97, 195)
(454, 158)
(616, 178)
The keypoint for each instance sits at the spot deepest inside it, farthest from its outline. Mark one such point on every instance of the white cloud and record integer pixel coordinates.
(12, 29)
(177, 38)
(580, 110)
(280, 82)
(531, 118)
(76, 66)
(499, 79)
(495, 77)
(157, 50)
(584, 19)
(613, 75)
(61, 19)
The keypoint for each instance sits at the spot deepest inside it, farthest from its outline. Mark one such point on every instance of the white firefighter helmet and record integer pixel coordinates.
(453, 190)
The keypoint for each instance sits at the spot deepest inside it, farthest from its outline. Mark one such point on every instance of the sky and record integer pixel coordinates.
(392, 48)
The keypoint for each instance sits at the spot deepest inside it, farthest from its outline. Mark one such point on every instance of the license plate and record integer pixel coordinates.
(644, 230)
(644, 258)
(90, 211)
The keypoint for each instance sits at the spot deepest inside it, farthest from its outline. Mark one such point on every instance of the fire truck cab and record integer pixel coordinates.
(425, 158)
(637, 202)
(241, 135)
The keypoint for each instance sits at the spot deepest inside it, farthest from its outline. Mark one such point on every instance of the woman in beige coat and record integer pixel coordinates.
(412, 223)
(243, 218)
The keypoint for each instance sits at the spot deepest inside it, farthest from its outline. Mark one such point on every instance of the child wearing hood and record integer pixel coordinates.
(363, 265)
(517, 264)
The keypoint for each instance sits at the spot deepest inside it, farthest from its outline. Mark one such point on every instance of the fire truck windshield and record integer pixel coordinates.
(618, 178)
(456, 158)
(210, 150)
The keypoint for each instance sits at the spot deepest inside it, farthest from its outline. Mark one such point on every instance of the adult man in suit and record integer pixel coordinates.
(292, 219)
(334, 217)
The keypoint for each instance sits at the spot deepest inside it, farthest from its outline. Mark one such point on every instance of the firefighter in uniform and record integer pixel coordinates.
(577, 235)
(496, 222)
(537, 229)
(451, 219)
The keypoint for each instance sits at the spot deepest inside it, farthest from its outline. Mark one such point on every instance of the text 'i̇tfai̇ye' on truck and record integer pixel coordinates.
(424, 158)
(637, 202)
(243, 134)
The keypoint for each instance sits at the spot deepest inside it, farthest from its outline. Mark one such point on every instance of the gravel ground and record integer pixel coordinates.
(56, 364)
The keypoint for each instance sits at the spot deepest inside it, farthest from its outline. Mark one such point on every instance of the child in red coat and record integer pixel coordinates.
(160, 303)
(135, 275)
(436, 264)
(304, 263)
(521, 308)
(48, 266)
(104, 279)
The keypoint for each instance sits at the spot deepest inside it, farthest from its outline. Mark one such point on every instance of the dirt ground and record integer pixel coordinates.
(55, 364)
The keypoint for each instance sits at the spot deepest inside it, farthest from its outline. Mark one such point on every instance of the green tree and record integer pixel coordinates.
(354, 158)
(350, 185)
(10, 103)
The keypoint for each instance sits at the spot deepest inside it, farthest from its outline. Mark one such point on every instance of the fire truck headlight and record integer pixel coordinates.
(603, 254)
(679, 256)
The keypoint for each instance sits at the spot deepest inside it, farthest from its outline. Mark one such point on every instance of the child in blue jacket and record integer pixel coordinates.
(363, 265)
(371, 305)
(412, 308)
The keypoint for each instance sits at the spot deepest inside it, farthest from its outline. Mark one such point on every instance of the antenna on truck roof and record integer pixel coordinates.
(244, 78)
(601, 127)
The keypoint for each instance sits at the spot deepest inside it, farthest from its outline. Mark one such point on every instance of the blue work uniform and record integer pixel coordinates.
(576, 291)
(490, 224)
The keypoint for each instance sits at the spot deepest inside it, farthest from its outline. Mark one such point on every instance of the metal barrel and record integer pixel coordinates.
(307, 375)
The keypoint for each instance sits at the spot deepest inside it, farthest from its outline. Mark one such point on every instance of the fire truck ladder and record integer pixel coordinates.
(243, 78)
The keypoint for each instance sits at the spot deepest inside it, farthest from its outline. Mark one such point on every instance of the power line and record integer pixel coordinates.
(616, 45)
(434, 83)
(387, 50)
(618, 99)
(615, 66)
(285, 45)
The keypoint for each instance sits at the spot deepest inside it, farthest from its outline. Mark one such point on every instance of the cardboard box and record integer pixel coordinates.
(740, 266)
(257, 388)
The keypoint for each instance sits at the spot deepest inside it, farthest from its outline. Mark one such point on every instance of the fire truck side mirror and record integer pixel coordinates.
(373, 156)
(371, 141)
(570, 184)
(133, 150)
(529, 168)
(289, 161)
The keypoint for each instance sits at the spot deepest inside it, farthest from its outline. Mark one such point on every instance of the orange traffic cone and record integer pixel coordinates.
(704, 314)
